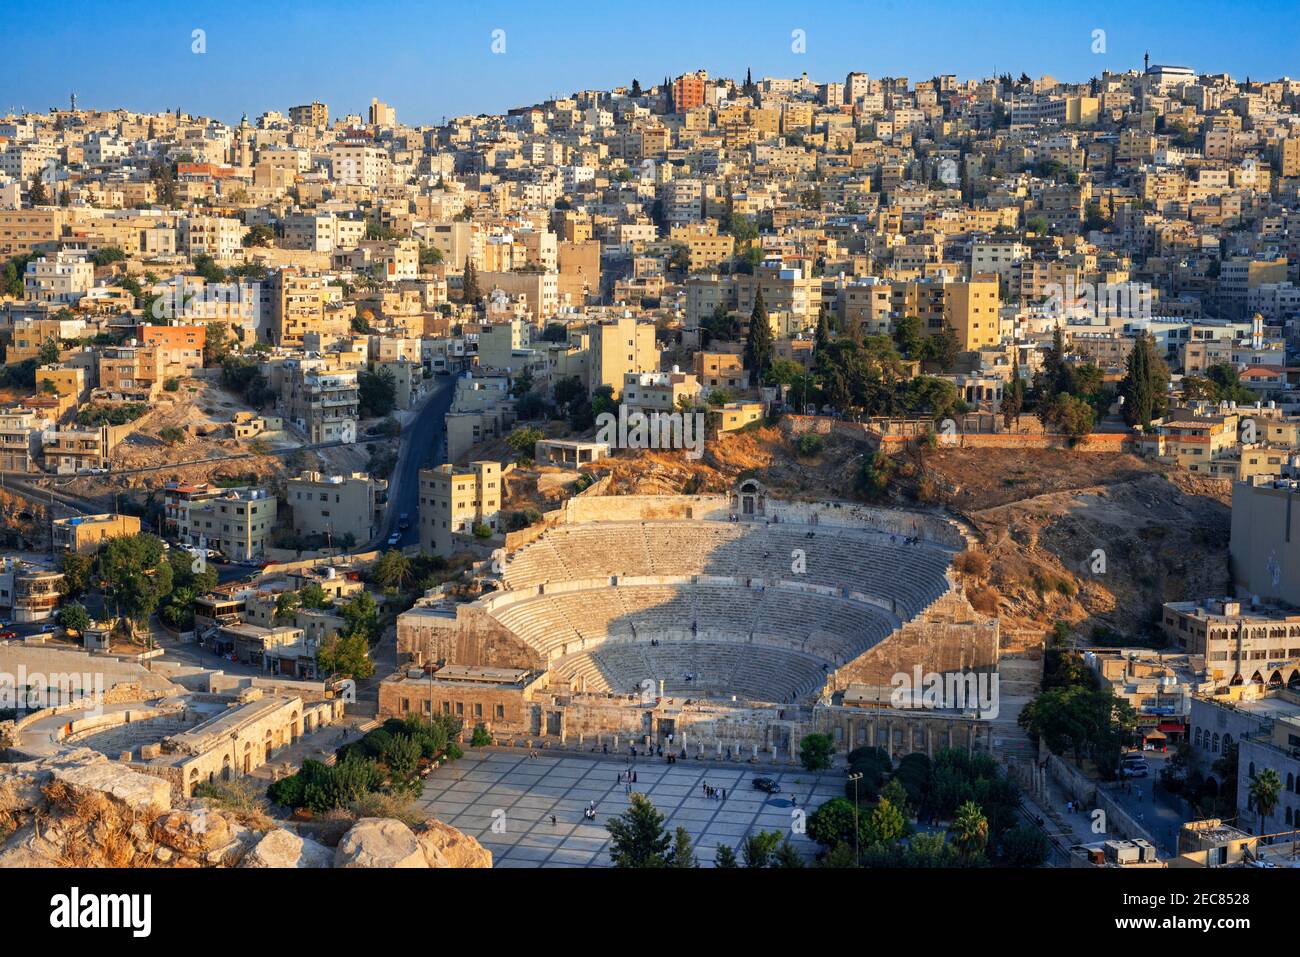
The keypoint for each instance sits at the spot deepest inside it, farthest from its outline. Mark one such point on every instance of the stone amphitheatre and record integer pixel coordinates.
(734, 620)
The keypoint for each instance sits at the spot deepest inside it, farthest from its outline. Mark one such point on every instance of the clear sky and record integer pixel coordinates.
(435, 59)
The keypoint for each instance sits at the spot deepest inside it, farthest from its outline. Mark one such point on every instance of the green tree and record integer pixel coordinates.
(345, 655)
(816, 751)
(759, 850)
(1023, 846)
(137, 574)
(970, 831)
(1265, 787)
(471, 294)
(942, 350)
(523, 440)
(217, 343)
(1145, 382)
(1013, 396)
(286, 606)
(37, 193)
(376, 393)
(260, 235)
(758, 343)
(361, 615)
(77, 569)
(907, 334)
(833, 823)
(887, 824)
(724, 857)
(638, 837)
(393, 570)
(74, 617)
(683, 854)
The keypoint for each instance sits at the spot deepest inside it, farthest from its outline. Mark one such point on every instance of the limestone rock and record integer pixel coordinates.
(21, 783)
(282, 848)
(196, 832)
(26, 847)
(444, 846)
(137, 791)
(379, 842)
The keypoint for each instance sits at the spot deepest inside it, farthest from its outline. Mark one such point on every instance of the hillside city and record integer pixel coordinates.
(781, 472)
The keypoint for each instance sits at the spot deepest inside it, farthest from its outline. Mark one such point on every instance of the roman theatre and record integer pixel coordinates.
(733, 621)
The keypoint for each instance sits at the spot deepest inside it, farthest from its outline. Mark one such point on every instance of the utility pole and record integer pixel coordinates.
(855, 778)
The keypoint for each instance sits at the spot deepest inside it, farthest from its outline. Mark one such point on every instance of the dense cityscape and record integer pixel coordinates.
(780, 472)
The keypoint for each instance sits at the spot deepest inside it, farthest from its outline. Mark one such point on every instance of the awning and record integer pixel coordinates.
(1153, 735)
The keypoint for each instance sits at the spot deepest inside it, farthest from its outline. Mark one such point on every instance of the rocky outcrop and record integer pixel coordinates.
(282, 848)
(379, 842)
(139, 792)
(80, 809)
(444, 846)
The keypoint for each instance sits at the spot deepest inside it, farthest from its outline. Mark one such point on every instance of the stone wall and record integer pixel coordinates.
(950, 636)
(470, 636)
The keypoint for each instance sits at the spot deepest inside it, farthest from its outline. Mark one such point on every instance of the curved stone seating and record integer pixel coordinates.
(908, 577)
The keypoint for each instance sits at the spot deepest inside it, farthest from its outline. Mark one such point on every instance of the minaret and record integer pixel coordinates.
(74, 103)
(1146, 61)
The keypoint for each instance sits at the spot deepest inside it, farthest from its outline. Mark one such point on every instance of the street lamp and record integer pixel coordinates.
(855, 778)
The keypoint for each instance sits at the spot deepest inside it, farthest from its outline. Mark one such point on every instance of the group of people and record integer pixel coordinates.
(712, 793)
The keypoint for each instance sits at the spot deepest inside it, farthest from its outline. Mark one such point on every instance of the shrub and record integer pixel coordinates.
(973, 563)
(481, 737)
(809, 444)
(172, 385)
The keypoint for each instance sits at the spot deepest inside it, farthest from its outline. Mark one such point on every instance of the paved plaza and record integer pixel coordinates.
(521, 793)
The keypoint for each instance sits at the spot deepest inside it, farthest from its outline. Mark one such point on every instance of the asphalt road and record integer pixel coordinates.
(423, 444)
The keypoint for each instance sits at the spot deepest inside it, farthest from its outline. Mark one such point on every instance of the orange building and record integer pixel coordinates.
(688, 92)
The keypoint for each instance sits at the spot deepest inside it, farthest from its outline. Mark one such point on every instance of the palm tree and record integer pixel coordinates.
(1264, 790)
(970, 830)
(393, 570)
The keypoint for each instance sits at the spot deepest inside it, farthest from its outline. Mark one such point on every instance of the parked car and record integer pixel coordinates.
(393, 539)
(767, 785)
(8, 635)
(404, 521)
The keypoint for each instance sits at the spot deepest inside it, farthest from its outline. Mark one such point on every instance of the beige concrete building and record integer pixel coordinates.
(336, 506)
(236, 522)
(84, 533)
(454, 500)
(619, 347)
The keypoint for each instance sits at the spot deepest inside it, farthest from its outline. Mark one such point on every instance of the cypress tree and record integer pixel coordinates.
(758, 344)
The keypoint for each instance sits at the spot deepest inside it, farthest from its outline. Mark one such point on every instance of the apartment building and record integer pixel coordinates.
(20, 438)
(84, 534)
(320, 399)
(60, 278)
(619, 347)
(648, 392)
(336, 507)
(237, 522)
(720, 370)
(312, 114)
(214, 236)
(132, 371)
(454, 500)
(28, 592)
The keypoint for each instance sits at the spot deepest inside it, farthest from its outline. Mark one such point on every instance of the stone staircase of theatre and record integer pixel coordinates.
(1019, 679)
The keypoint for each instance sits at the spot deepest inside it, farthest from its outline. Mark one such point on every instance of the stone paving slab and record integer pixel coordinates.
(506, 800)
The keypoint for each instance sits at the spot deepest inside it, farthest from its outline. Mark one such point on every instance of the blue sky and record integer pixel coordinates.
(433, 59)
